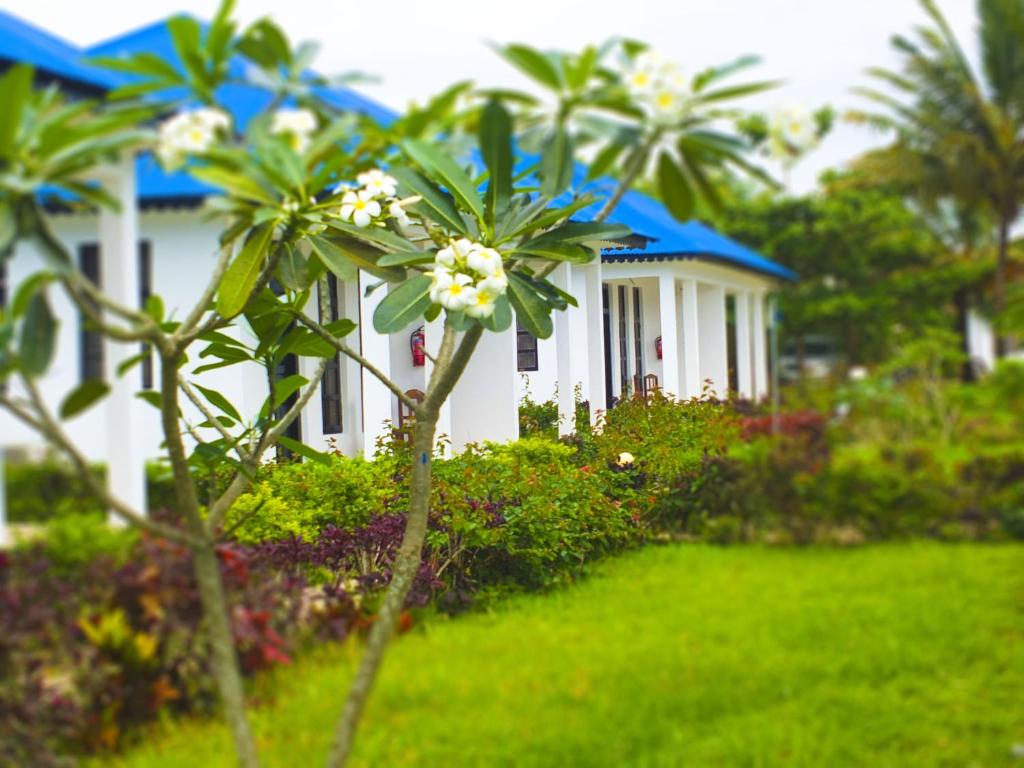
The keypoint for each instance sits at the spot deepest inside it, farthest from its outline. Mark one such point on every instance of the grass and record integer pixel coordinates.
(900, 655)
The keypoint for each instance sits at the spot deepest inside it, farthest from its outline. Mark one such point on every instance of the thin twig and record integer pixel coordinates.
(44, 423)
(198, 402)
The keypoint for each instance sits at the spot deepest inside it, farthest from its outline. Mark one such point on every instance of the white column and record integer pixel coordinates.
(571, 340)
(351, 438)
(484, 404)
(691, 340)
(433, 333)
(669, 335)
(595, 338)
(119, 274)
(744, 351)
(714, 358)
(760, 347)
(378, 400)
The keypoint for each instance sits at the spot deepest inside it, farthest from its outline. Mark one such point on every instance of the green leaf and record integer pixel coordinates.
(38, 335)
(126, 365)
(531, 310)
(584, 232)
(378, 236)
(403, 259)
(674, 188)
(219, 401)
(501, 319)
(83, 396)
(151, 397)
(236, 184)
(15, 88)
(403, 304)
(440, 205)
(496, 147)
(333, 257)
(532, 63)
(292, 270)
(556, 164)
(242, 275)
(442, 168)
(301, 449)
(545, 249)
(340, 328)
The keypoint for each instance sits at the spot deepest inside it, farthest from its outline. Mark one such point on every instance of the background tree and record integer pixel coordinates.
(868, 269)
(961, 131)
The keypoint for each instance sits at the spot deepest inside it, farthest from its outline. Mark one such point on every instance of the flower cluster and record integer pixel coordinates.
(189, 132)
(792, 131)
(658, 86)
(468, 277)
(365, 205)
(297, 125)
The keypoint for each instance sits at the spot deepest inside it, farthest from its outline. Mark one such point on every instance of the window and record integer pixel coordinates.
(624, 384)
(330, 385)
(638, 338)
(90, 361)
(526, 350)
(145, 291)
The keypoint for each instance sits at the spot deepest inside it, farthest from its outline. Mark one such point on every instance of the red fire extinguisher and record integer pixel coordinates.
(657, 346)
(416, 344)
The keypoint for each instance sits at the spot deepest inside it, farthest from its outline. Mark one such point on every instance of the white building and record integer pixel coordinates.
(681, 309)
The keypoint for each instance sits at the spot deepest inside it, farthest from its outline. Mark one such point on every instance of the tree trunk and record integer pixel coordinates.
(406, 566)
(223, 657)
(962, 303)
(999, 287)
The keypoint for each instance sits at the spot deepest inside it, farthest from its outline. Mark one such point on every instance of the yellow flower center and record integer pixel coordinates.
(196, 135)
(456, 289)
(665, 100)
(640, 79)
(359, 205)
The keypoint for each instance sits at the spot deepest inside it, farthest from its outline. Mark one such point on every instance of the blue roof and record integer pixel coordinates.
(23, 42)
(665, 238)
(669, 238)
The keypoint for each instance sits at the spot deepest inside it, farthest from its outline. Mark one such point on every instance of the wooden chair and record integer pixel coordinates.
(405, 414)
(650, 384)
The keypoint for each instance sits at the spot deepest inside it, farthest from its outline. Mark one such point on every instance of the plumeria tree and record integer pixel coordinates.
(307, 191)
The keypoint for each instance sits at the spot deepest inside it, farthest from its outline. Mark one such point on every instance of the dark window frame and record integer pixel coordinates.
(91, 357)
(145, 291)
(527, 350)
(332, 413)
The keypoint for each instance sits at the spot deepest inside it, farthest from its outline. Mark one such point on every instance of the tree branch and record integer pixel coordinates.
(44, 423)
(241, 480)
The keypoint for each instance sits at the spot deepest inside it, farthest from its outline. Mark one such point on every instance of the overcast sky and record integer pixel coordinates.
(417, 47)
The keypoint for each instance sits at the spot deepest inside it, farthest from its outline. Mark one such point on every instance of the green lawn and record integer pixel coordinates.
(902, 655)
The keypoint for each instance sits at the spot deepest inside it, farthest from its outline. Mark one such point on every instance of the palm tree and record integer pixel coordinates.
(960, 132)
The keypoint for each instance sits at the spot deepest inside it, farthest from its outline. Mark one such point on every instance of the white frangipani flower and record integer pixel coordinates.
(189, 132)
(296, 124)
(625, 459)
(398, 213)
(378, 183)
(486, 261)
(458, 293)
(468, 277)
(359, 207)
(794, 126)
(658, 86)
